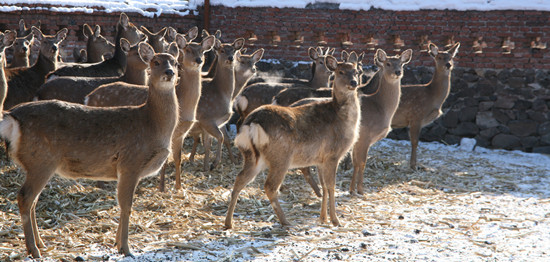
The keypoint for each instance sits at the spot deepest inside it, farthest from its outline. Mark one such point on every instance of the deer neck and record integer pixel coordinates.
(119, 56)
(20, 60)
(136, 76)
(346, 103)
(45, 65)
(440, 85)
(189, 92)
(3, 85)
(241, 81)
(94, 54)
(319, 80)
(162, 108)
(224, 80)
(389, 92)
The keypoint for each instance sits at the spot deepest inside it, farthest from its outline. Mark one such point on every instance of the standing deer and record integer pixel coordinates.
(22, 51)
(24, 82)
(280, 138)
(377, 110)
(74, 88)
(75, 141)
(156, 40)
(215, 103)
(421, 104)
(111, 67)
(24, 30)
(96, 45)
(6, 40)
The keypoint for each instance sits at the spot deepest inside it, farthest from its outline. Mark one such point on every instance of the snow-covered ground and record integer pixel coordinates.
(480, 205)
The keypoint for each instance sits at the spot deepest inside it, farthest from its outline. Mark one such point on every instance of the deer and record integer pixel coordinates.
(25, 31)
(421, 104)
(377, 110)
(77, 141)
(259, 94)
(280, 138)
(24, 82)
(156, 40)
(215, 103)
(188, 93)
(245, 69)
(211, 56)
(6, 40)
(80, 55)
(96, 44)
(74, 89)
(22, 51)
(110, 67)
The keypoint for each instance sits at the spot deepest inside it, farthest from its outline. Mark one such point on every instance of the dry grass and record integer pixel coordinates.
(72, 215)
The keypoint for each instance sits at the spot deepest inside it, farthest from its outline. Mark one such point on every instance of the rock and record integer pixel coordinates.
(486, 120)
(523, 128)
(505, 141)
(505, 102)
(465, 129)
(489, 132)
(434, 132)
(485, 106)
(449, 119)
(522, 104)
(468, 114)
(503, 76)
(482, 142)
(545, 139)
(537, 116)
(542, 150)
(470, 76)
(529, 141)
(467, 144)
(539, 105)
(544, 128)
(485, 87)
(503, 116)
(451, 139)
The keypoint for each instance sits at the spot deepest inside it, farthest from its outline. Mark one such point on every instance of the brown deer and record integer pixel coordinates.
(280, 138)
(23, 82)
(24, 30)
(156, 40)
(110, 67)
(96, 45)
(80, 55)
(211, 56)
(22, 51)
(74, 89)
(188, 93)
(76, 141)
(421, 104)
(259, 94)
(6, 40)
(215, 103)
(377, 110)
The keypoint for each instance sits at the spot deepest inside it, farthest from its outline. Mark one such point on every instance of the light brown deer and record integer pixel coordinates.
(421, 104)
(280, 138)
(24, 30)
(156, 40)
(76, 141)
(110, 67)
(22, 51)
(259, 94)
(96, 45)
(188, 93)
(74, 88)
(377, 110)
(214, 108)
(23, 82)
(211, 56)
(6, 40)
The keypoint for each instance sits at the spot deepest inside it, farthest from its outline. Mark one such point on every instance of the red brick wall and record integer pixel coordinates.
(494, 26)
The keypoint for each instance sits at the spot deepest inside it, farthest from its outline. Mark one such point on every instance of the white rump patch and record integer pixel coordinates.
(251, 134)
(242, 140)
(241, 102)
(9, 130)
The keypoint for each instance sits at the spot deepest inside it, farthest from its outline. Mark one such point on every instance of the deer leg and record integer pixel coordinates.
(359, 160)
(125, 194)
(207, 143)
(250, 170)
(323, 215)
(213, 130)
(196, 139)
(329, 176)
(26, 200)
(272, 184)
(177, 144)
(414, 134)
(227, 142)
(162, 178)
(311, 181)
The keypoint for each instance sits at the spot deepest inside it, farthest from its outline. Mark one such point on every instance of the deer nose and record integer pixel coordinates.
(54, 48)
(397, 73)
(448, 65)
(24, 49)
(230, 58)
(253, 70)
(353, 83)
(198, 60)
(169, 72)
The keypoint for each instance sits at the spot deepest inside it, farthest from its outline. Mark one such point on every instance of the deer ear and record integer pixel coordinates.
(193, 33)
(331, 63)
(380, 57)
(21, 25)
(146, 52)
(204, 33)
(243, 50)
(256, 56)
(433, 50)
(181, 41)
(238, 43)
(124, 20)
(97, 31)
(145, 31)
(173, 50)
(86, 30)
(37, 33)
(218, 34)
(344, 56)
(29, 37)
(313, 53)
(330, 51)
(353, 57)
(125, 45)
(361, 57)
(61, 34)
(406, 56)
(207, 43)
(9, 38)
(162, 31)
(217, 44)
(454, 49)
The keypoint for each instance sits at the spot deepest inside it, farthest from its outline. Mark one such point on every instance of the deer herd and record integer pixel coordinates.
(121, 114)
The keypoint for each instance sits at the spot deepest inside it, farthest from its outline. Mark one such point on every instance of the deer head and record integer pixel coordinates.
(49, 45)
(392, 67)
(444, 59)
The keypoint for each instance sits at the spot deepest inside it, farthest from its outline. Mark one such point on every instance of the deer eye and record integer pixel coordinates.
(341, 72)
(388, 64)
(156, 63)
